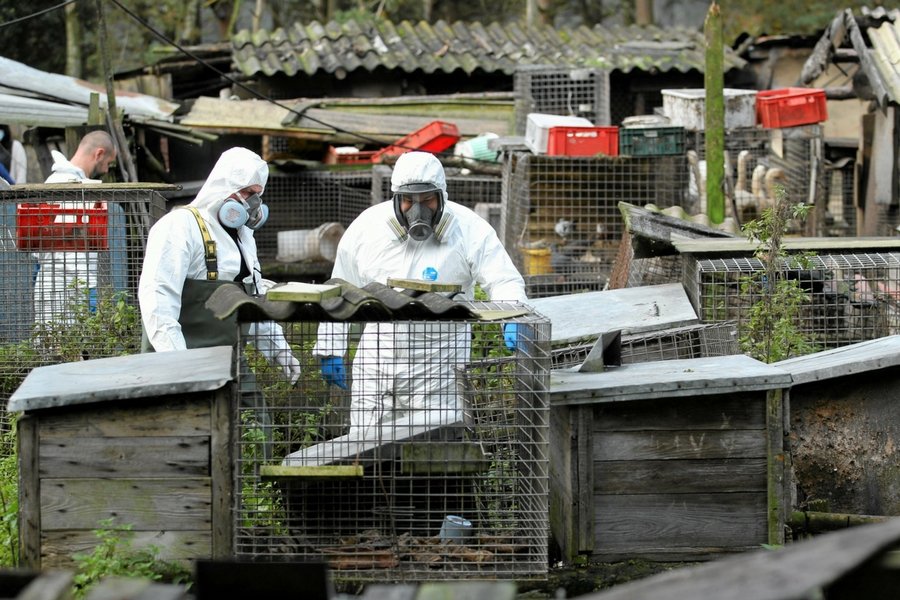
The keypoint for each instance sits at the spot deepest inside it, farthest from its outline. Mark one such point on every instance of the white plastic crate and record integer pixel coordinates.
(686, 108)
(537, 129)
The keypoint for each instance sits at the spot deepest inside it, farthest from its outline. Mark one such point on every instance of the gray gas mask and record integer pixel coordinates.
(419, 219)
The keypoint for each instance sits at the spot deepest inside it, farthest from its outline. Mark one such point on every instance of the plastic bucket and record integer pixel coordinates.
(536, 261)
(310, 244)
(477, 148)
(456, 529)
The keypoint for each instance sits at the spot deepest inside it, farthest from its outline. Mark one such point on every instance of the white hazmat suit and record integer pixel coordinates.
(399, 368)
(175, 254)
(54, 286)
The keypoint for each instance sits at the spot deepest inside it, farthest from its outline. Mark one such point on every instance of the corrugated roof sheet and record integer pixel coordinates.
(373, 302)
(340, 48)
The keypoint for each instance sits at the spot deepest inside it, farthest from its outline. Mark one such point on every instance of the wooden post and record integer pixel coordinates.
(775, 466)
(715, 116)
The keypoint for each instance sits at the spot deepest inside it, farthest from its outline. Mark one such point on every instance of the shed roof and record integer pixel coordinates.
(123, 378)
(861, 357)
(873, 41)
(341, 48)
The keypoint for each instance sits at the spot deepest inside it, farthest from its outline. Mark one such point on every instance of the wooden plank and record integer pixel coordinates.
(743, 246)
(296, 291)
(147, 504)
(222, 443)
(790, 573)
(312, 472)
(679, 521)
(172, 457)
(29, 492)
(58, 547)
(584, 316)
(680, 444)
(861, 357)
(680, 476)
(563, 480)
(422, 285)
(117, 588)
(669, 379)
(54, 585)
(737, 411)
(583, 472)
(439, 457)
(173, 415)
(777, 512)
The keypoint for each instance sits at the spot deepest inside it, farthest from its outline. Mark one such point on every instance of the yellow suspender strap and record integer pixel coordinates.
(209, 246)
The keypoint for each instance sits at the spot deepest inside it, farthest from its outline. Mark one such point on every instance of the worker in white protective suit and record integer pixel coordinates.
(408, 370)
(63, 274)
(181, 270)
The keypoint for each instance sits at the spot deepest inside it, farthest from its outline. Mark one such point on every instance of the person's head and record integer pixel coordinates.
(233, 189)
(419, 189)
(95, 154)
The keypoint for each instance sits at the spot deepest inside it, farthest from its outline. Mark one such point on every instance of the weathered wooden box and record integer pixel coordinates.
(670, 460)
(845, 425)
(143, 440)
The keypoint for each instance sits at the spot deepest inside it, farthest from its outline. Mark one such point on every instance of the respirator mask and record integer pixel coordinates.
(250, 212)
(426, 207)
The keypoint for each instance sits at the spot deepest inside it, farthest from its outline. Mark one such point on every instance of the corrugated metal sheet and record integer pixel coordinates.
(886, 56)
(341, 48)
(373, 302)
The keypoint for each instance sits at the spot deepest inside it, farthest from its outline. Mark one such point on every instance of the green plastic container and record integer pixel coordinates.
(651, 141)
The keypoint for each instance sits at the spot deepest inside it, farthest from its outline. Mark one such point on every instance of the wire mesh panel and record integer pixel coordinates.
(70, 258)
(849, 297)
(840, 216)
(560, 215)
(308, 199)
(557, 90)
(798, 163)
(468, 189)
(432, 464)
(692, 341)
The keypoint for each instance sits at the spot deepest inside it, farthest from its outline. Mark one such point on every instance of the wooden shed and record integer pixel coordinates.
(669, 460)
(143, 440)
(844, 426)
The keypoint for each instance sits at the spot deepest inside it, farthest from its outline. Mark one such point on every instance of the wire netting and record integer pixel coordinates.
(70, 259)
(432, 464)
(556, 90)
(849, 297)
(560, 215)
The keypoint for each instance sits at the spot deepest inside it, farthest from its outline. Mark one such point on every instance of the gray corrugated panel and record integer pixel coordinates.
(495, 48)
(373, 302)
(885, 53)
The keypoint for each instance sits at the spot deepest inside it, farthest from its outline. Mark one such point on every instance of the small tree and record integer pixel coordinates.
(771, 332)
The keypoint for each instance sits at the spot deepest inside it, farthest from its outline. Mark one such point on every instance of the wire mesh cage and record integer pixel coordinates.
(70, 258)
(466, 188)
(308, 199)
(840, 217)
(431, 464)
(558, 90)
(691, 341)
(560, 215)
(848, 297)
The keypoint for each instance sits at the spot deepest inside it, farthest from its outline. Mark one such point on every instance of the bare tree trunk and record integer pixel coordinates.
(531, 12)
(643, 12)
(427, 8)
(258, 13)
(190, 26)
(73, 41)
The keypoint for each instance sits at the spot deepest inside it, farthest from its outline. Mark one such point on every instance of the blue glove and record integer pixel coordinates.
(333, 371)
(511, 336)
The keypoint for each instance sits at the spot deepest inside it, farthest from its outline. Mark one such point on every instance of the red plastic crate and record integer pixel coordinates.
(435, 137)
(583, 141)
(47, 226)
(789, 107)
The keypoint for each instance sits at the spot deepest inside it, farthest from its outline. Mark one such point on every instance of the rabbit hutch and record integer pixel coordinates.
(670, 460)
(140, 441)
(427, 460)
(843, 422)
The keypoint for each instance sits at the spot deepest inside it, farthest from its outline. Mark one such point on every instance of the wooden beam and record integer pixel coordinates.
(312, 472)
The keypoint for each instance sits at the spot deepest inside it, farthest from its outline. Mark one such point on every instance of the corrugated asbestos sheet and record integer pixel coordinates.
(874, 38)
(340, 48)
(373, 302)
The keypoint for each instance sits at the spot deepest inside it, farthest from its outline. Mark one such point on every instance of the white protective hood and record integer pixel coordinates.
(235, 170)
(419, 167)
